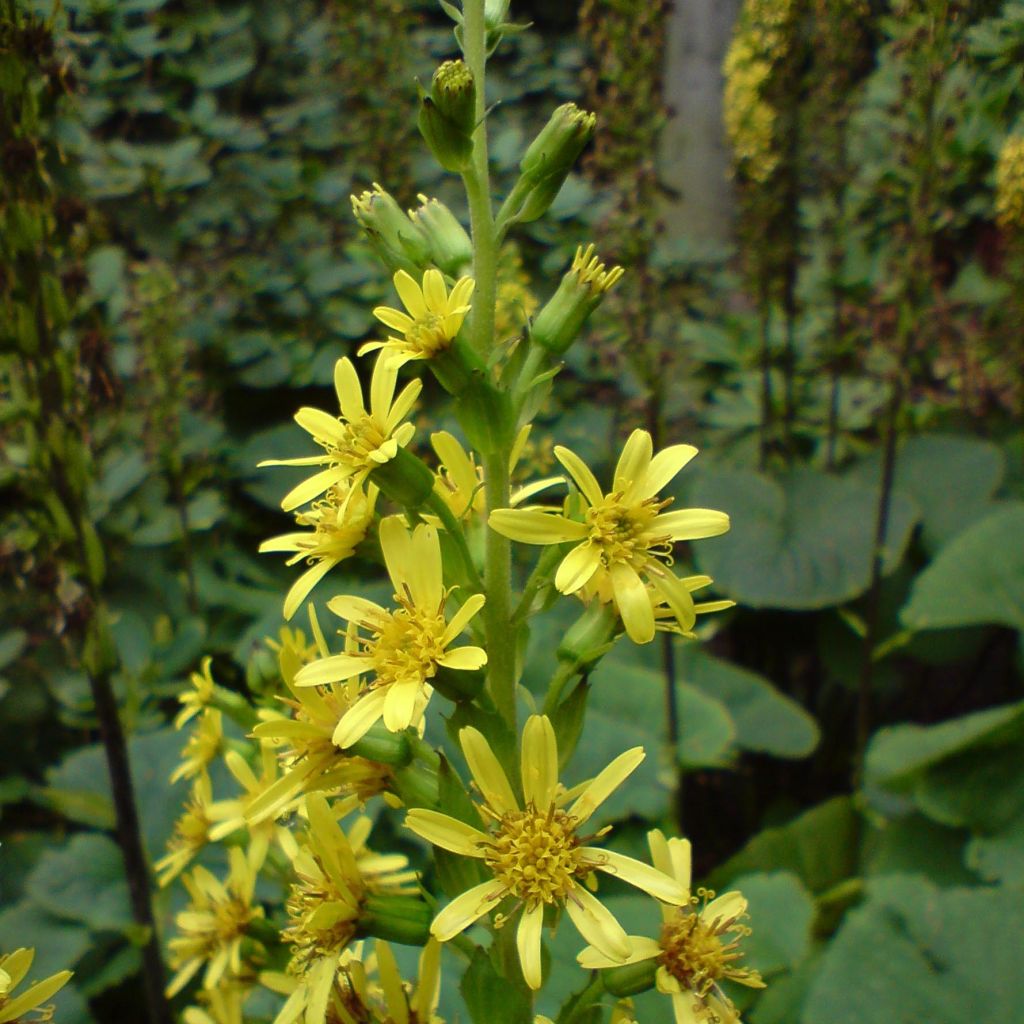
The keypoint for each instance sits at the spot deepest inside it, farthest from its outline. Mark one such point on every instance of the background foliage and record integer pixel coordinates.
(846, 745)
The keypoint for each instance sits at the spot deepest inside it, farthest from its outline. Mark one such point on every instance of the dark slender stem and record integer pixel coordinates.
(833, 419)
(764, 316)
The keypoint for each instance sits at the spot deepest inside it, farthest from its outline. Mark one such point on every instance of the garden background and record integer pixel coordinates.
(845, 745)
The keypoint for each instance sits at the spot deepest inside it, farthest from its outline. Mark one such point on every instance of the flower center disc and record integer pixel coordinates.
(619, 529)
(427, 336)
(407, 645)
(536, 856)
(693, 952)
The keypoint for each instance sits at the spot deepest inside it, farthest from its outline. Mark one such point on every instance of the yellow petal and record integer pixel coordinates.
(382, 389)
(455, 460)
(641, 948)
(664, 466)
(16, 965)
(355, 609)
(529, 945)
(403, 403)
(577, 567)
(348, 390)
(34, 996)
(434, 292)
(727, 907)
(464, 659)
(447, 832)
(487, 772)
(633, 462)
(539, 762)
(300, 589)
(464, 910)
(312, 487)
(595, 922)
(393, 318)
(634, 603)
(462, 617)
(335, 669)
(605, 783)
(320, 424)
(687, 1008)
(462, 292)
(530, 526)
(580, 472)
(691, 524)
(411, 294)
(679, 599)
(400, 705)
(654, 882)
(355, 723)
(285, 542)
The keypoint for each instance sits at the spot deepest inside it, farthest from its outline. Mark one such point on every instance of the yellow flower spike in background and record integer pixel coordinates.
(417, 1006)
(406, 647)
(200, 696)
(221, 1005)
(626, 537)
(202, 747)
(1010, 184)
(360, 439)
(340, 521)
(212, 927)
(14, 967)
(191, 833)
(535, 849)
(698, 946)
(433, 319)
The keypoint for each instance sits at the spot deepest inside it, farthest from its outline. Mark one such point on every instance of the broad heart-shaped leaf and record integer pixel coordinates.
(804, 540)
(58, 945)
(951, 479)
(781, 913)
(977, 578)
(819, 847)
(999, 857)
(83, 882)
(490, 998)
(914, 952)
(766, 720)
(899, 755)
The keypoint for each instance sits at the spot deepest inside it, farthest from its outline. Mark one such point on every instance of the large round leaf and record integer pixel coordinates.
(802, 541)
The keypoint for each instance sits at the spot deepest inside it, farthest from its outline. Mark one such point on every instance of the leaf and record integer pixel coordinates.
(913, 844)
(781, 914)
(977, 578)
(12, 643)
(950, 478)
(766, 720)
(819, 847)
(914, 952)
(490, 998)
(83, 882)
(999, 857)
(802, 541)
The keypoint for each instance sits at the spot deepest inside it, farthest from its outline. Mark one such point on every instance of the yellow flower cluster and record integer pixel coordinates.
(1010, 184)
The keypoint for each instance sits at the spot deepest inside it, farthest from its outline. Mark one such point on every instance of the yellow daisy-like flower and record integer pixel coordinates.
(221, 1005)
(310, 760)
(698, 946)
(213, 926)
(191, 833)
(340, 521)
(13, 969)
(202, 747)
(199, 697)
(434, 318)
(336, 872)
(360, 439)
(406, 647)
(626, 537)
(536, 849)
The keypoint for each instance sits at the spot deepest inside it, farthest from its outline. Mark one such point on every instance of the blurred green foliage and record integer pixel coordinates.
(209, 152)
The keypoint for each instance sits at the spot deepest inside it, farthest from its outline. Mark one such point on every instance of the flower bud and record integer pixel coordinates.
(630, 979)
(447, 117)
(578, 295)
(458, 686)
(383, 746)
(401, 243)
(590, 636)
(404, 919)
(405, 479)
(450, 246)
(550, 157)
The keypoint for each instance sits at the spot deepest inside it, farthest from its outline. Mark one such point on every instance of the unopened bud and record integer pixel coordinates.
(590, 636)
(405, 479)
(450, 246)
(631, 979)
(404, 919)
(447, 117)
(401, 243)
(383, 746)
(458, 686)
(579, 294)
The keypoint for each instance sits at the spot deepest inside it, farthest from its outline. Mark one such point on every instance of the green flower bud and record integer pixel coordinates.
(458, 686)
(631, 979)
(578, 295)
(590, 636)
(383, 746)
(405, 479)
(450, 246)
(404, 919)
(401, 243)
(447, 117)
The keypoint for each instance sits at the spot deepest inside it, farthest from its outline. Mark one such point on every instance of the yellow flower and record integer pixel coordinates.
(433, 320)
(359, 440)
(191, 833)
(213, 926)
(202, 747)
(200, 696)
(310, 760)
(698, 946)
(231, 815)
(460, 481)
(625, 539)
(407, 646)
(336, 872)
(1010, 184)
(13, 968)
(536, 850)
(340, 521)
(221, 1005)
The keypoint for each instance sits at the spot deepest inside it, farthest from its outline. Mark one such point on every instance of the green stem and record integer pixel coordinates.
(501, 645)
(541, 574)
(565, 671)
(453, 528)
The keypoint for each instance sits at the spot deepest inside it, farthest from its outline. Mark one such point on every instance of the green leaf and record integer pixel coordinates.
(83, 882)
(898, 755)
(914, 952)
(913, 844)
(12, 643)
(819, 847)
(802, 541)
(999, 857)
(977, 578)
(781, 914)
(950, 478)
(490, 998)
(766, 720)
